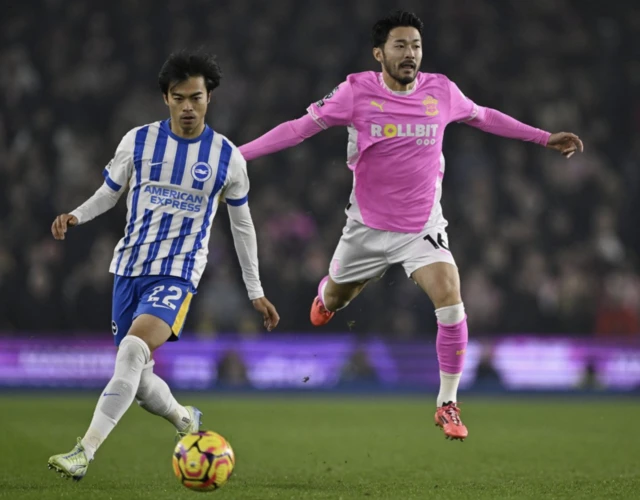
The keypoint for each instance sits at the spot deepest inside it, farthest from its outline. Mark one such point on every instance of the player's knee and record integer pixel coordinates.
(447, 292)
(151, 330)
(133, 354)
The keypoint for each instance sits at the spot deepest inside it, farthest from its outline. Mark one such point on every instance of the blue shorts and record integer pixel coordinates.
(165, 297)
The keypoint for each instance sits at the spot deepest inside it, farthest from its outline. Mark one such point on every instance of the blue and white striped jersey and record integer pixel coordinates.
(175, 186)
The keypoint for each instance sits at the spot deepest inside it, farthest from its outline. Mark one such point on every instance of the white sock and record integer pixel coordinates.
(116, 398)
(450, 315)
(155, 396)
(448, 388)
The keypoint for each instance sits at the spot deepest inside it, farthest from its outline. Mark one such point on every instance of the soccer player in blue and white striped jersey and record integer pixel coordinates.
(177, 172)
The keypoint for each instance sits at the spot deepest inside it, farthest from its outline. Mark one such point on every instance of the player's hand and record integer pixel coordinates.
(565, 142)
(61, 224)
(268, 311)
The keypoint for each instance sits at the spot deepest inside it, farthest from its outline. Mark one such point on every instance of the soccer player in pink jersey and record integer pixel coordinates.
(396, 121)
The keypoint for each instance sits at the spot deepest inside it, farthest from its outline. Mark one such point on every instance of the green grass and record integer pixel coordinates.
(338, 448)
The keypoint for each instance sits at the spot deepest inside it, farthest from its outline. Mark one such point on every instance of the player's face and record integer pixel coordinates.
(401, 55)
(188, 101)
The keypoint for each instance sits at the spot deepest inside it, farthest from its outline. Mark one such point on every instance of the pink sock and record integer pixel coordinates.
(321, 287)
(451, 346)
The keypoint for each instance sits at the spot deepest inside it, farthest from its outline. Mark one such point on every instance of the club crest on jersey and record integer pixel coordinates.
(431, 106)
(201, 171)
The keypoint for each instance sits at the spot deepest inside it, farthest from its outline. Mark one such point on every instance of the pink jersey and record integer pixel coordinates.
(395, 144)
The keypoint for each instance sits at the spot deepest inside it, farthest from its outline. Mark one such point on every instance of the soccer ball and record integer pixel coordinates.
(203, 461)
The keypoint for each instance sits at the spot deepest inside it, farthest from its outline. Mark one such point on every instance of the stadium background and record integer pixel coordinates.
(546, 247)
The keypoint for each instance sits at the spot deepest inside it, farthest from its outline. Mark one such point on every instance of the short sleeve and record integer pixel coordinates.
(334, 109)
(236, 191)
(462, 108)
(119, 170)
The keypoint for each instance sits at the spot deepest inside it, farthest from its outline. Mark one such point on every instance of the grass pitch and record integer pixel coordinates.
(337, 448)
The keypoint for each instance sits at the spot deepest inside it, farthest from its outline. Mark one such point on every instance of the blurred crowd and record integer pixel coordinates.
(543, 244)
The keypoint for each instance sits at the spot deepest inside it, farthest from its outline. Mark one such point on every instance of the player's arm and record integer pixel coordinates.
(101, 201)
(246, 243)
(284, 136)
(334, 109)
(497, 123)
(245, 239)
(116, 176)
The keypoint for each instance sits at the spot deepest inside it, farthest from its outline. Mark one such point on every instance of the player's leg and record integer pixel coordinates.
(336, 296)
(427, 260)
(147, 333)
(154, 395)
(441, 283)
(169, 299)
(332, 297)
(159, 311)
(125, 298)
(358, 258)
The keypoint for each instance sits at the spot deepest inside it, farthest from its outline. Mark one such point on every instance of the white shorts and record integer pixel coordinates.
(364, 253)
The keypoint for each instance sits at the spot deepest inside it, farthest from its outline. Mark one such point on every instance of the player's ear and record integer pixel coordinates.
(209, 97)
(377, 54)
(166, 99)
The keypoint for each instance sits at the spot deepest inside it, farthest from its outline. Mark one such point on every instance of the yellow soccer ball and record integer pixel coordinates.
(203, 461)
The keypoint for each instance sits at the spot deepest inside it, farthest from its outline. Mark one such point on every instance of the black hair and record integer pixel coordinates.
(183, 64)
(398, 18)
